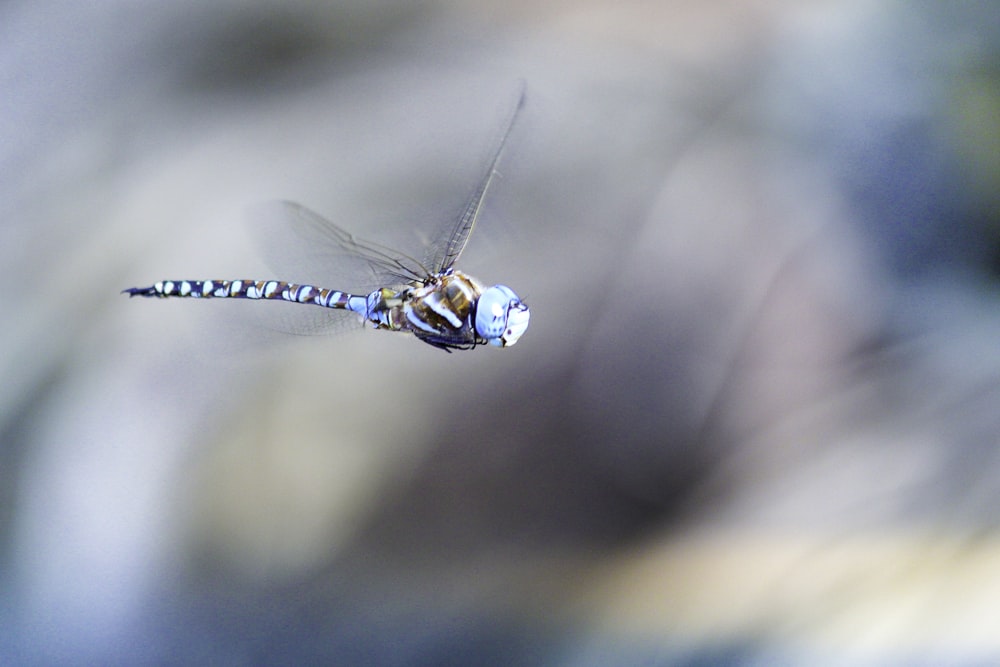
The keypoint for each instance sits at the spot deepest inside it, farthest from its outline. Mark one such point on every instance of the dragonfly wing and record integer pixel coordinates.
(445, 256)
(306, 321)
(300, 244)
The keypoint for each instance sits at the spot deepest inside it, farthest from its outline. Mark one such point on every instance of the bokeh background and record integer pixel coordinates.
(755, 419)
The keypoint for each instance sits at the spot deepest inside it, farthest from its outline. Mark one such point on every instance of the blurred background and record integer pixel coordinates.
(755, 419)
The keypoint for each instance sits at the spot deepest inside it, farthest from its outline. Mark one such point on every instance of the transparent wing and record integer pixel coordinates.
(306, 321)
(273, 320)
(444, 256)
(302, 245)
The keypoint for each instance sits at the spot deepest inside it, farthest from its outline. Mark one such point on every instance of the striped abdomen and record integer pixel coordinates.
(254, 289)
(439, 311)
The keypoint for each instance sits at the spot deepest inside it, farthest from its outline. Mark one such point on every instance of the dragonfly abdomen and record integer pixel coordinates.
(253, 289)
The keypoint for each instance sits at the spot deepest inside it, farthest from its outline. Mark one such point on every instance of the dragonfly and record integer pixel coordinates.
(431, 299)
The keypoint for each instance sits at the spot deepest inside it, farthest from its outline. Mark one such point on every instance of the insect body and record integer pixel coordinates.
(438, 304)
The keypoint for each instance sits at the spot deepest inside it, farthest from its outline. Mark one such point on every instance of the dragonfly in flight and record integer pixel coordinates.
(432, 300)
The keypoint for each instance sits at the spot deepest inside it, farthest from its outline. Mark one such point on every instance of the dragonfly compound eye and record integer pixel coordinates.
(501, 317)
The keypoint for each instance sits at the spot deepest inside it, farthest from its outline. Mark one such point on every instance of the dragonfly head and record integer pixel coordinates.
(501, 317)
